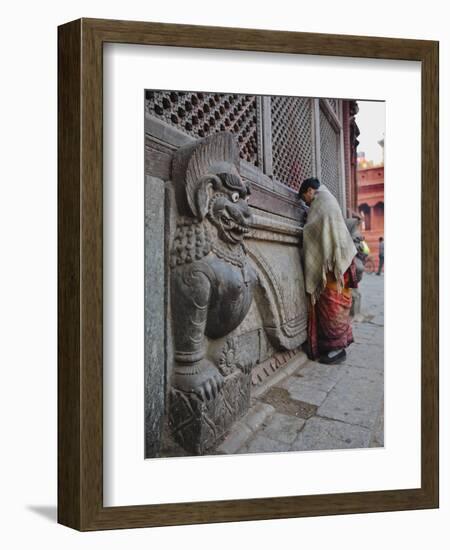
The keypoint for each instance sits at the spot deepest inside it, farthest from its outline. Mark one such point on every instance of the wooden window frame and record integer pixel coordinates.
(80, 270)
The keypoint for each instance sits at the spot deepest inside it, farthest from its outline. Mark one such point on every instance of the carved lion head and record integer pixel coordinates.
(213, 186)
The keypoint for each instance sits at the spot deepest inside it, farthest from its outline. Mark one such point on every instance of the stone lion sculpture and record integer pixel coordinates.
(212, 282)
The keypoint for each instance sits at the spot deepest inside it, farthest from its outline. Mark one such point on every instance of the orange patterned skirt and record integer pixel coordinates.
(329, 321)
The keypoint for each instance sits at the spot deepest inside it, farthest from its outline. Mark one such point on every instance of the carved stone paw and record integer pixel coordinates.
(206, 384)
(245, 365)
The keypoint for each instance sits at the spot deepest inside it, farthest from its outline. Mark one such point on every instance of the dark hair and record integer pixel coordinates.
(381, 239)
(306, 184)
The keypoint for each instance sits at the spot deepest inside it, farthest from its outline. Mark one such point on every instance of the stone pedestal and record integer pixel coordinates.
(198, 425)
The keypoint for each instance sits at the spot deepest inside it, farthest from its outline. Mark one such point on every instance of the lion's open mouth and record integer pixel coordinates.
(234, 229)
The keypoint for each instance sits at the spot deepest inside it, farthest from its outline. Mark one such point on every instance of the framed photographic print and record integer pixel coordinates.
(236, 339)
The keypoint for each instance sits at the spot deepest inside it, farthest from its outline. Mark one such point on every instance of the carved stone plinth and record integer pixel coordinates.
(354, 227)
(197, 424)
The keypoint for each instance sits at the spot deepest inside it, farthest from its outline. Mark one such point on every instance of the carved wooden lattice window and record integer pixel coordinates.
(333, 104)
(280, 135)
(292, 144)
(202, 114)
(329, 155)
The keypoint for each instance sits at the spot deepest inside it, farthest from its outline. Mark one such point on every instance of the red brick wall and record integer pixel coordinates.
(371, 193)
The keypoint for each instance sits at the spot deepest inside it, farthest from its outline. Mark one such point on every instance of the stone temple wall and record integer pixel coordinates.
(280, 142)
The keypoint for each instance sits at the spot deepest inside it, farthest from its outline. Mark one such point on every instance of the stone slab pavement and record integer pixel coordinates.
(324, 406)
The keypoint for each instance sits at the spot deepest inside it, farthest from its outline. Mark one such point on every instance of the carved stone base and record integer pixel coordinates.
(198, 425)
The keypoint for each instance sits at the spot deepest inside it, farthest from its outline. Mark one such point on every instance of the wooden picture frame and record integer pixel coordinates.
(80, 272)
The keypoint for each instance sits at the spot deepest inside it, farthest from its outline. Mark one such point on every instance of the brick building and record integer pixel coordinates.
(371, 204)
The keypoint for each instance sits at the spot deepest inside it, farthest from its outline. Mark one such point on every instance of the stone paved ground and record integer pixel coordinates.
(324, 406)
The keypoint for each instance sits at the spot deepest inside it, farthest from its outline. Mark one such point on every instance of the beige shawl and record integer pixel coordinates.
(327, 244)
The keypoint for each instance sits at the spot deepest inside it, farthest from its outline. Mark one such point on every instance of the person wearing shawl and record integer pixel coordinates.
(330, 274)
